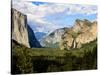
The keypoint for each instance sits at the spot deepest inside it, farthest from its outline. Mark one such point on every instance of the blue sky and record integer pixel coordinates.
(69, 20)
(39, 3)
(46, 17)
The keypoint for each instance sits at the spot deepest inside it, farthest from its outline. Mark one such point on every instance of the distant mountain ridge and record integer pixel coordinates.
(52, 39)
(39, 35)
(82, 32)
(21, 32)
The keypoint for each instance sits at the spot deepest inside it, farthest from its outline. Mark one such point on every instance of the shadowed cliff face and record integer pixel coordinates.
(21, 32)
(32, 39)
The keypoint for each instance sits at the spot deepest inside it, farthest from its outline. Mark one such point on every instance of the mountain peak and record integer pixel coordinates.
(81, 33)
(21, 32)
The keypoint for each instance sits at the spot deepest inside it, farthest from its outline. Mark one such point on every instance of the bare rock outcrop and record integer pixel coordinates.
(21, 31)
(81, 33)
(19, 27)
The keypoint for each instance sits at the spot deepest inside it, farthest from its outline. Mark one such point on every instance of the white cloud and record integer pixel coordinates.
(79, 9)
(37, 13)
(50, 8)
(41, 25)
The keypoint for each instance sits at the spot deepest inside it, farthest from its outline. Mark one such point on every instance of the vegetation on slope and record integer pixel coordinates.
(37, 60)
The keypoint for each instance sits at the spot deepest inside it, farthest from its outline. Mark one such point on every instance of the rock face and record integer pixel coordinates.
(40, 35)
(32, 39)
(21, 32)
(81, 33)
(88, 35)
(52, 40)
(19, 27)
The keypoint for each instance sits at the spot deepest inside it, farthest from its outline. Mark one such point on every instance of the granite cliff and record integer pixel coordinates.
(21, 31)
(82, 32)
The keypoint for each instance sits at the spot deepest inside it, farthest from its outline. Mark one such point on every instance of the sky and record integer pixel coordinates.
(46, 17)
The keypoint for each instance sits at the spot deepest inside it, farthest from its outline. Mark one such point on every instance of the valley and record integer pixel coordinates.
(64, 49)
(39, 60)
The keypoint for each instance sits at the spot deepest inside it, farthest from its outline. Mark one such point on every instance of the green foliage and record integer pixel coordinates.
(52, 45)
(37, 60)
(53, 68)
(23, 60)
(84, 58)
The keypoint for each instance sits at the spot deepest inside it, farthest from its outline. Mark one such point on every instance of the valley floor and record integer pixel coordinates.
(39, 60)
